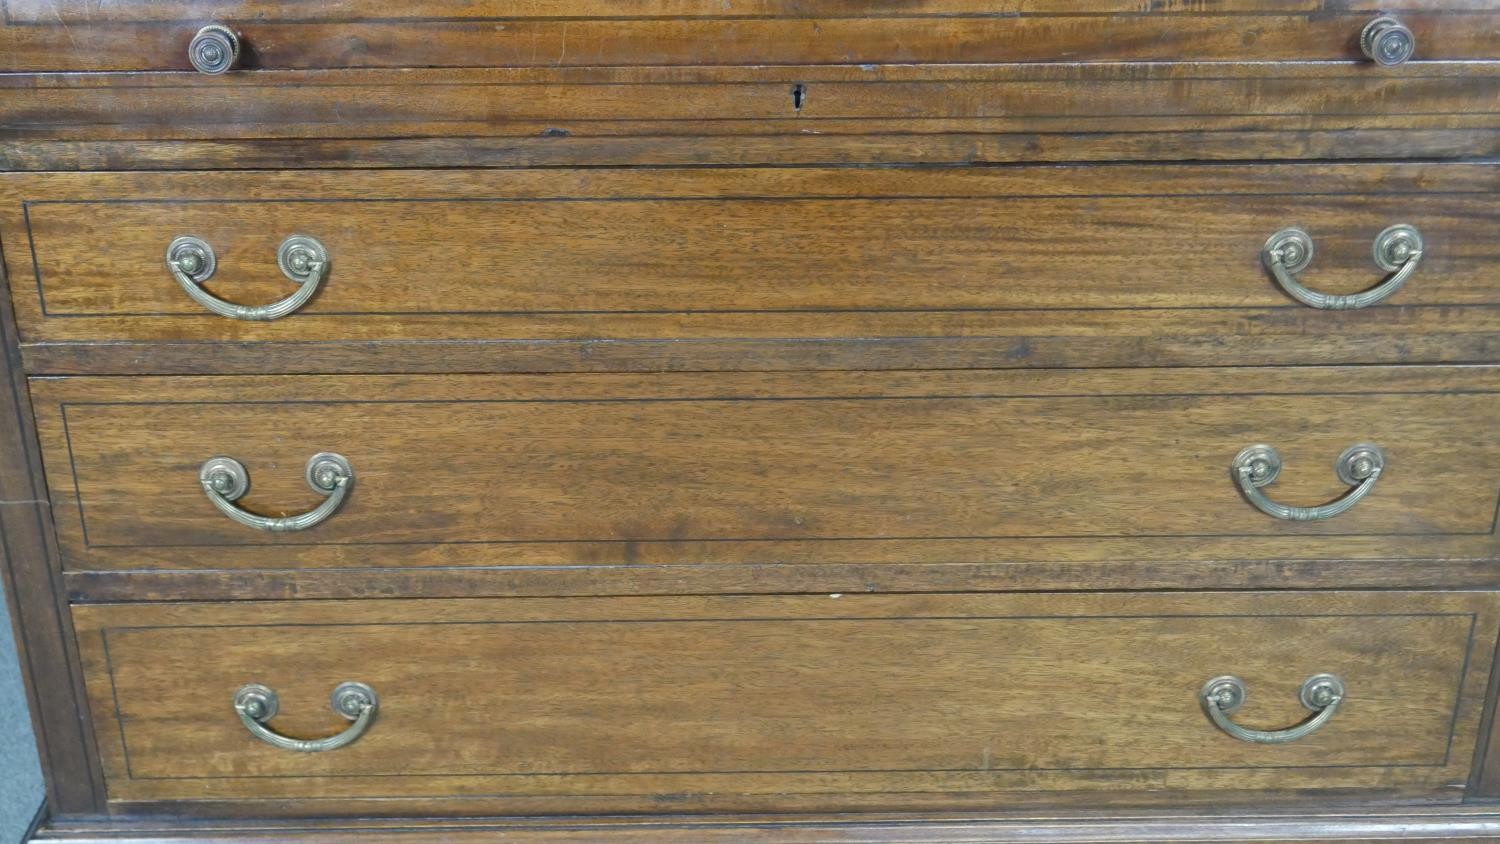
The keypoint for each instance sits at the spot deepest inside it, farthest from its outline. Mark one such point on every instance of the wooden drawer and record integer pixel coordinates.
(1082, 265)
(71, 35)
(714, 470)
(605, 704)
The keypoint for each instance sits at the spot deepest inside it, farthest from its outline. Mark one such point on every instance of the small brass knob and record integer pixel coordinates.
(1386, 41)
(215, 49)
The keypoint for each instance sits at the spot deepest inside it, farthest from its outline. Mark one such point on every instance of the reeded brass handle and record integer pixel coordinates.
(1386, 41)
(214, 50)
(256, 704)
(1398, 250)
(302, 259)
(225, 481)
(1258, 465)
(1222, 696)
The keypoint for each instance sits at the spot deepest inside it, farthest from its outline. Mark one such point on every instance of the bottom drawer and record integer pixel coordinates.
(627, 704)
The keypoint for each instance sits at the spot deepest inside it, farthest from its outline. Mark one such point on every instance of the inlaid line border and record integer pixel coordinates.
(1463, 678)
(27, 204)
(64, 406)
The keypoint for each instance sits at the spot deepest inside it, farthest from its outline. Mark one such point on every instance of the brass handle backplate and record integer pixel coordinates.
(225, 481)
(302, 259)
(257, 704)
(1398, 250)
(1223, 696)
(1257, 466)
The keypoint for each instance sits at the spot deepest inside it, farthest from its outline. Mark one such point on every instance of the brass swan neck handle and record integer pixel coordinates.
(302, 259)
(1223, 696)
(1398, 250)
(257, 704)
(1257, 466)
(225, 481)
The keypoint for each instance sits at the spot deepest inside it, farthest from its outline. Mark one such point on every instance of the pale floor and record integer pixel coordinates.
(20, 773)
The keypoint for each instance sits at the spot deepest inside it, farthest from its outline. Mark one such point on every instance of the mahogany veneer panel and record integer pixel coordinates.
(754, 101)
(706, 469)
(87, 35)
(858, 462)
(556, 149)
(1107, 253)
(716, 700)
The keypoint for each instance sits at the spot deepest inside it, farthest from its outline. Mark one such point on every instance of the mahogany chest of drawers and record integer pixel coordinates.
(754, 420)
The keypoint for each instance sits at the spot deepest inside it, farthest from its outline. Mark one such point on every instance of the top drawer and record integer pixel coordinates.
(53, 35)
(755, 268)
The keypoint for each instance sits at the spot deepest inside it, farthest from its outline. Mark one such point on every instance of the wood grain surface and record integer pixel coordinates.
(669, 242)
(857, 349)
(713, 701)
(560, 149)
(32, 586)
(1442, 824)
(931, 467)
(872, 567)
(65, 35)
(874, 341)
(757, 101)
(1081, 265)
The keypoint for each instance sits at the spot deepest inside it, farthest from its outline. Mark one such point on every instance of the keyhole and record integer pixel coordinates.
(799, 95)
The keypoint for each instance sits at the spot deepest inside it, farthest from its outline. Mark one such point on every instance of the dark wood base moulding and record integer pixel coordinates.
(1451, 824)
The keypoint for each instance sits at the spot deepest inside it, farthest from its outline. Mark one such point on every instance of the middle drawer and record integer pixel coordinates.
(720, 469)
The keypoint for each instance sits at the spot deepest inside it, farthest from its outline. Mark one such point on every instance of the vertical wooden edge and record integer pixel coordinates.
(38, 603)
(37, 819)
(1484, 783)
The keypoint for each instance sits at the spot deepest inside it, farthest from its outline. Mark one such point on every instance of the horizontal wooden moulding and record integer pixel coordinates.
(1464, 139)
(748, 101)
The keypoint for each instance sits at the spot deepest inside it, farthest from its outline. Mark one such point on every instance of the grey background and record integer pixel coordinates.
(20, 773)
